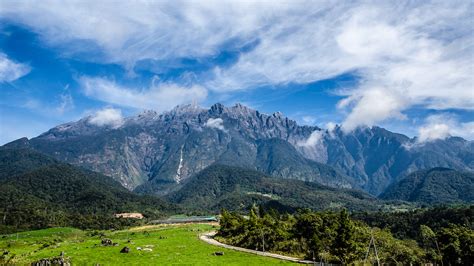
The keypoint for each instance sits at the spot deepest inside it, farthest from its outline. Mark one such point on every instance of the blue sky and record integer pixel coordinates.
(404, 66)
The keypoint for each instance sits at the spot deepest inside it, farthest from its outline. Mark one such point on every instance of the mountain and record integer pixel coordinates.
(433, 186)
(235, 188)
(47, 192)
(156, 153)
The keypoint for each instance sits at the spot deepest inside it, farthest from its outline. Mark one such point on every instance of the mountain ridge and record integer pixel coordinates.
(149, 148)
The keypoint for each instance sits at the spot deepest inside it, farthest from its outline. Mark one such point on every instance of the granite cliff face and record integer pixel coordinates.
(157, 153)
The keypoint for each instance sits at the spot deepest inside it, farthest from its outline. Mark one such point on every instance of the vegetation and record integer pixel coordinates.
(339, 238)
(236, 188)
(167, 245)
(48, 193)
(434, 186)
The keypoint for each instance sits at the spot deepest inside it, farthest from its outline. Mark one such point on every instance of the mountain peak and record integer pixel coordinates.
(217, 108)
(187, 108)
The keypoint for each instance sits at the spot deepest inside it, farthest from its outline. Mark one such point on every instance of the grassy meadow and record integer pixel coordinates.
(170, 245)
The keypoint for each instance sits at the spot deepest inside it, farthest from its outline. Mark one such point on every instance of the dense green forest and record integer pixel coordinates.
(434, 186)
(236, 188)
(46, 193)
(339, 238)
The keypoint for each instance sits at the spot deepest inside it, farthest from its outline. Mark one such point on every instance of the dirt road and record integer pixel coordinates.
(208, 238)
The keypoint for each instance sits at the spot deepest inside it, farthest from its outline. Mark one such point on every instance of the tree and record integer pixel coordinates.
(457, 244)
(344, 246)
(429, 237)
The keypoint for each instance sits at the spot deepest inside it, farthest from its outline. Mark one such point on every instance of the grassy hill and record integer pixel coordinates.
(237, 188)
(434, 186)
(44, 192)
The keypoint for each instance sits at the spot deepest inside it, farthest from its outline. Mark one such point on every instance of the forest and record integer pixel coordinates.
(341, 237)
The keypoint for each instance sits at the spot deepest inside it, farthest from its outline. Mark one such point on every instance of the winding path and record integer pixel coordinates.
(208, 238)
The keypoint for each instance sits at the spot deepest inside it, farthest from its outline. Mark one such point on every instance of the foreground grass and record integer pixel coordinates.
(171, 245)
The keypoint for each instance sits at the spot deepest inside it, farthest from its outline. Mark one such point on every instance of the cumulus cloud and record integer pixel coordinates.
(161, 96)
(10, 70)
(442, 126)
(406, 54)
(314, 139)
(217, 123)
(107, 117)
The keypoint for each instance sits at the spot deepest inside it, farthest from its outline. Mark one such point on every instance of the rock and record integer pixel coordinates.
(148, 249)
(107, 242)
(125, 250)
(139, 248)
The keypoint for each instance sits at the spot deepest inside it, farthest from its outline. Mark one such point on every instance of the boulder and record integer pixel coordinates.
(125, 250)
(107, 242)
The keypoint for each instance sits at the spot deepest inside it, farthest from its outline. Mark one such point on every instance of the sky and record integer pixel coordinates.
(407, 66)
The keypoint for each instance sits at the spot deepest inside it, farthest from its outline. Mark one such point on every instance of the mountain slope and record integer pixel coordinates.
(158, 152)
(220, 186)
(437, 185)
(19, 161)
(53, 193)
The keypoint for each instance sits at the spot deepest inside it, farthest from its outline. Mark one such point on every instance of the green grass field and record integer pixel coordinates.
(171, 245)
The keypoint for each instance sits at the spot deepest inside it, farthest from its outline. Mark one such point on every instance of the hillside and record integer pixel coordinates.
(236, 188)
(19, 161)
(434, 186)
(49, 193)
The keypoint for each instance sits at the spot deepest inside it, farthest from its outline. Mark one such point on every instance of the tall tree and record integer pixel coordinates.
(344, 246)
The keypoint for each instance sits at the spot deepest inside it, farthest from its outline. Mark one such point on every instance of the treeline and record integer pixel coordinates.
(336, 237)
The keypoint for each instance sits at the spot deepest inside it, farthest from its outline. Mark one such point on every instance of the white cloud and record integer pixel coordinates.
(314, 139)
(161, 96)
(416, 53)
(442, 126)
(331, 127)
(66, 102)
(107, 117)
(309, 120)
(10, 70)
(217, 123)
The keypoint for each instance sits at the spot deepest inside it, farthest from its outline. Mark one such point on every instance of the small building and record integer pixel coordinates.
(130, 215)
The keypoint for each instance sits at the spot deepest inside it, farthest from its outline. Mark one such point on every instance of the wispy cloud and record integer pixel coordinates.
(308, 119)
(406, 54)
(159, 96)
(10, 70)
(66, 101)
(314, 139)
